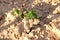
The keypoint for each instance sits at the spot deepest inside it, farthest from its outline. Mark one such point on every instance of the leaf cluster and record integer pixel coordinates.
(31, 14)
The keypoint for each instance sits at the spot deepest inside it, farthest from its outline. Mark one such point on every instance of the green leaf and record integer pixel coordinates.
(34, 14)
(17, 12)
(29, 15)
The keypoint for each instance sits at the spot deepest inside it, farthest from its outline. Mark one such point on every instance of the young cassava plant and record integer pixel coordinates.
(25, 18)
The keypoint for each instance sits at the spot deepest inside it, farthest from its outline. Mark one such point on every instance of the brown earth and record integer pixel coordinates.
(11, 27)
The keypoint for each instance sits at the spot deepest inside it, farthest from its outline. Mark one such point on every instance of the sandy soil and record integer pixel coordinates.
(12, 27)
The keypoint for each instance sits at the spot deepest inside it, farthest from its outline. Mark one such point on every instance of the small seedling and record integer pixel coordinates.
(17, 12)
(30, 14)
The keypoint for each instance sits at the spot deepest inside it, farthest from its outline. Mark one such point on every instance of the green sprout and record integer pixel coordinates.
(31, 14)
(17, 12)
